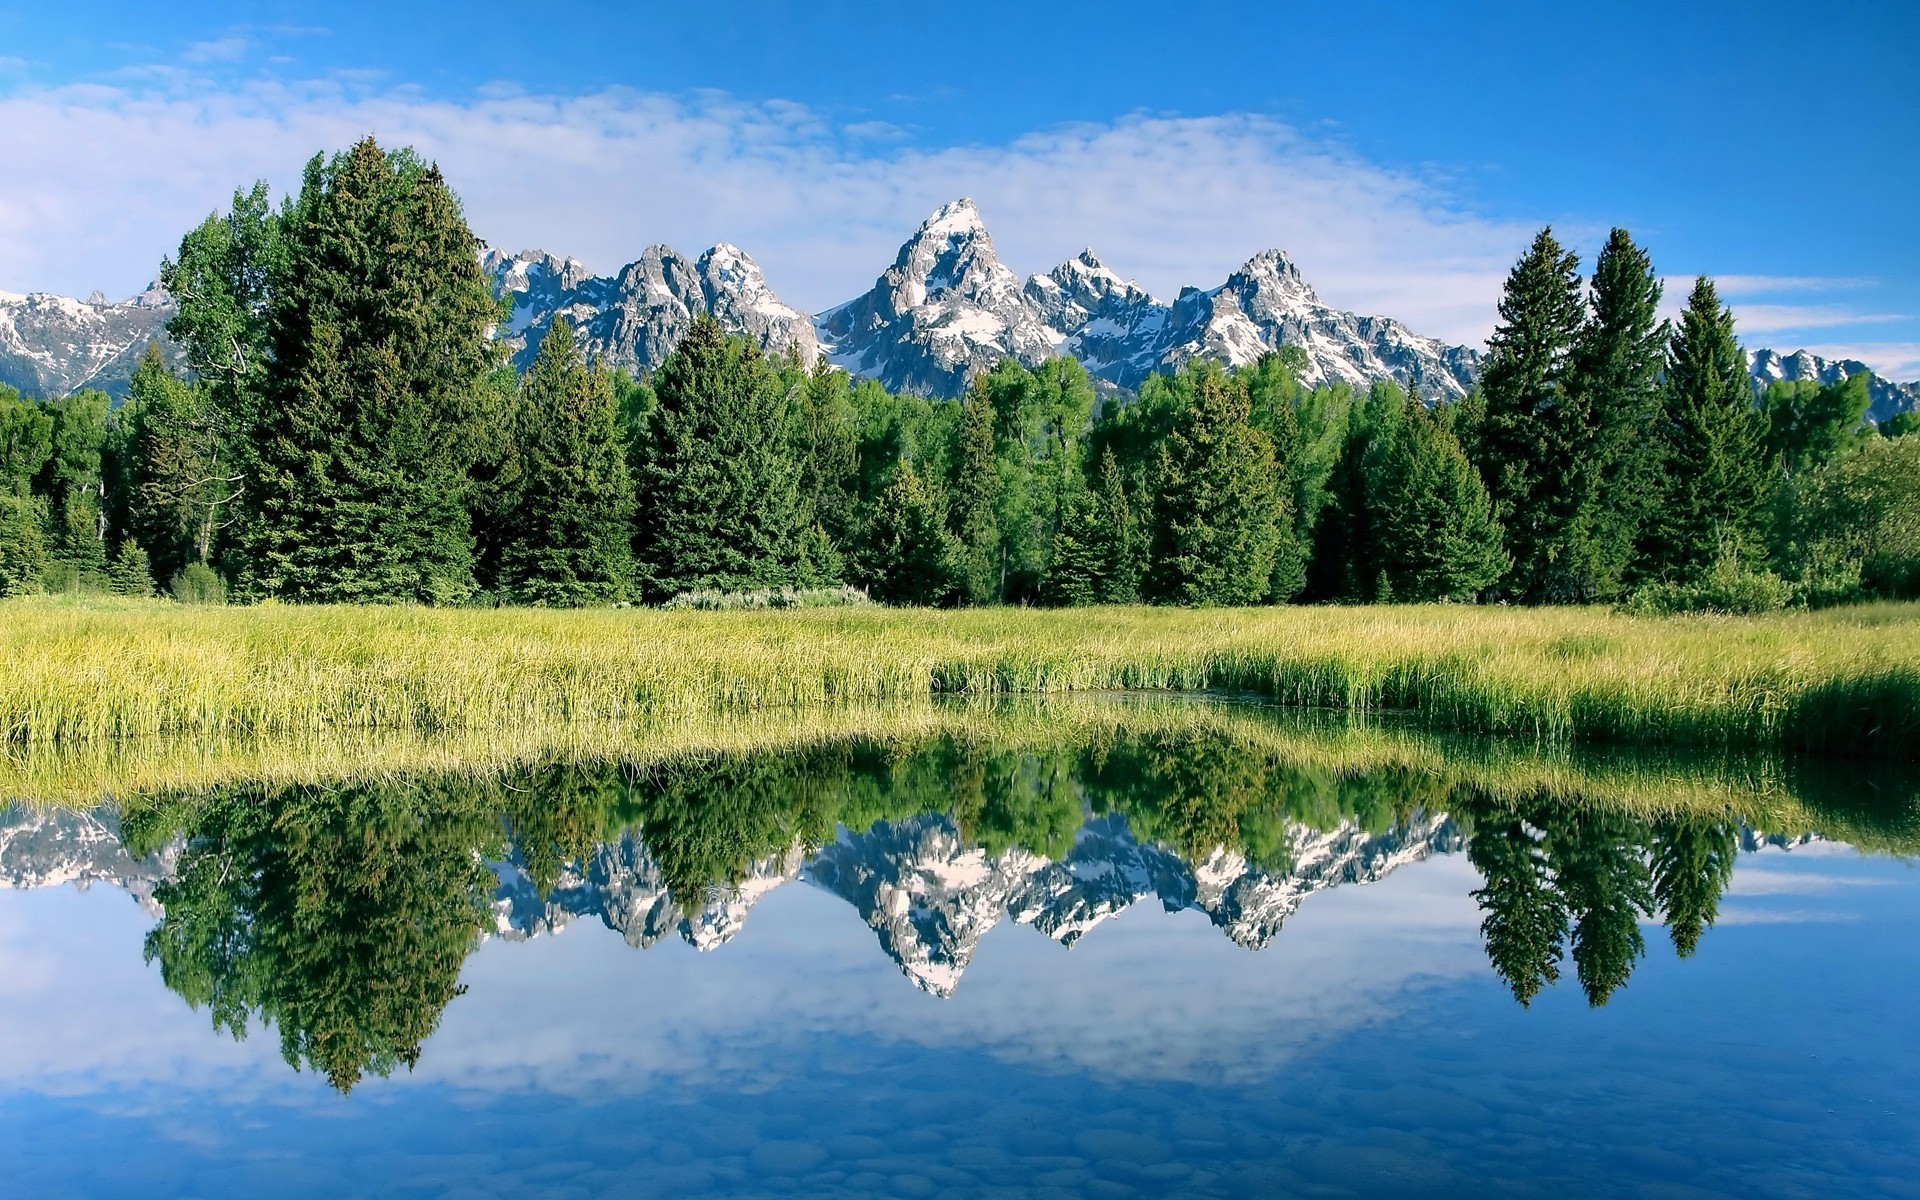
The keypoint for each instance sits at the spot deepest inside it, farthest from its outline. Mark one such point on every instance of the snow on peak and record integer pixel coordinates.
(958, 218)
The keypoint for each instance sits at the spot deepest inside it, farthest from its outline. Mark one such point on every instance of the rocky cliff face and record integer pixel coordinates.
(52, 345)
(635, 319)
(1886, 397)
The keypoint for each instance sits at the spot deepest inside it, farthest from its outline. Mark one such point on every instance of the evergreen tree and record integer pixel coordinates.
(569, 532)
(1077, 570)
(379, 326)
(1437, 536)
(1221, 516)
(717, 483)
(827, 442)
(1534, 428)
(1121, 542)
(975, 514)
(23, 549)
(130, 574)
(1616, 367)
(906, 555)
(1714, 447)
(26, 442)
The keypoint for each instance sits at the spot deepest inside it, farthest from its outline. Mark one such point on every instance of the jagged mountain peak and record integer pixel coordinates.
(1273, 270)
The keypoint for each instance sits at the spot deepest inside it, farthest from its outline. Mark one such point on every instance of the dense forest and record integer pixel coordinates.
(348, 430)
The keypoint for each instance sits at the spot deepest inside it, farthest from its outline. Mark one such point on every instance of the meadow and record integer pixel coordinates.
(1840, 681)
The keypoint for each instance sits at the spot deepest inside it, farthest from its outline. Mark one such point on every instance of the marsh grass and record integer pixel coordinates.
(1843, 681)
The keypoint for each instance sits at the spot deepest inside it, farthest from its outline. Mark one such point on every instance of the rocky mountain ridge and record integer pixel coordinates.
(944, 311)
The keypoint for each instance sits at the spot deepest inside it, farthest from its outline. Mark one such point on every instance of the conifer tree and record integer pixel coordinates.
(1526, 921)
(976, 496)
(1616, 368)
(1534, 422)
(1717, 477)
(1692, 865)
(569, 538)
(1601, 870)
(1220, 516)
(828, 446)
(130, 574)
(906, 555)
(1121, 540)
(181, 476)
(717, 485)
(23, 548)
(1077, 571)
(1348, 560)
(380, 321)
(1437, 536)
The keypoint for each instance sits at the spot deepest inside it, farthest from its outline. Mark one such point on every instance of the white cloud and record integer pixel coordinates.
(120, 172)
(1773, 318)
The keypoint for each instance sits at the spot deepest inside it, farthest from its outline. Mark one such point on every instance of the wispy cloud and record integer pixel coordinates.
(218, 50)
(121, 171)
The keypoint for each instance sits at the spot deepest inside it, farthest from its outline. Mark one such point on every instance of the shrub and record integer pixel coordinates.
(1860, 514)
(197, 583)
(1732, 588)
(710, 600)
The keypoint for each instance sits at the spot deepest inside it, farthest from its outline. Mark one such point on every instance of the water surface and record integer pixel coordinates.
(1213, 956)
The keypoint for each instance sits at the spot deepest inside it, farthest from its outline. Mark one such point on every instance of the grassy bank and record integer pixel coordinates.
(1843, 681)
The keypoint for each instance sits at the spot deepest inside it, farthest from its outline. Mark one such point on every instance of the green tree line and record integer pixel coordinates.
(348, 430)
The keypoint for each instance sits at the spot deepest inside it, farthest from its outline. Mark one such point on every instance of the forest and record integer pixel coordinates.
(347, 429)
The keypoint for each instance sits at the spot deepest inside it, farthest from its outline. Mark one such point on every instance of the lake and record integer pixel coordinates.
(1114, 949)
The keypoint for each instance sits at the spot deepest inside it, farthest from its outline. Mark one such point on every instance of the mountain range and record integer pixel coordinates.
(945, 310)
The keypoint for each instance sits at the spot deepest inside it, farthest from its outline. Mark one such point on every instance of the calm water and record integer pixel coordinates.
(1186, 963)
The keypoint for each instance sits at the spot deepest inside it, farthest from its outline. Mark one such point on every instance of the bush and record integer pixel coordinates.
(61, 578)
(1860, 515)
(23, 552)
(197, 583)
(710, 600)
(1732, 588)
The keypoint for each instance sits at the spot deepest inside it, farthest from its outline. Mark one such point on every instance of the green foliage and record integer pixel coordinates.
(708, 600)
(1809, 423)
(826, 440)
(1437, 536)
(569, 527)
(341, 915)
(379, 324)
(1615, 463)
(1692, 865)
(1526, 920)
(717, 484)
(130, 573)
(198, 583)
(1860, 515)
(1714, 449)
(1733, 587)
(1221, 518)
(1535, 423)
(26, 442)
(23, 551)
(975, 512)
(906, 554)
(181, 475)
(1348, 562)
(1900, 425)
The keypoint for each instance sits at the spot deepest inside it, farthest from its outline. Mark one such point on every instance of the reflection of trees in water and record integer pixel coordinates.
(339, 915)
(342, 915)
(1557, 876)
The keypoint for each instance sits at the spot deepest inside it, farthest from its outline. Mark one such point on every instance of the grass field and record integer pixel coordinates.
(1843, 681)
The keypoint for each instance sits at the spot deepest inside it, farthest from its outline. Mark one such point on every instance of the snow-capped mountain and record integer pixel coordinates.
(48, 847)
(634, 319)
(52, 345)
(1887, 397)
(946, 310)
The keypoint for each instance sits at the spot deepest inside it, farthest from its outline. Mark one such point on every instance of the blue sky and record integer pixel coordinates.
(1402, 153)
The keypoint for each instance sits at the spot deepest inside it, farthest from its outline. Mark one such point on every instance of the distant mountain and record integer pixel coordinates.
(52, 345)
(1887, 397)
(946, 310)
(634, 319)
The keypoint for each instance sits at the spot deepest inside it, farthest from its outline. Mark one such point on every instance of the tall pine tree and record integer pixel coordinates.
(1717, 479)
(1534, 423)
(569, 538)
(1437, 536)
(717, 484)
(1617, 364)
(975, 514)
(379, 333)
(1221, 515)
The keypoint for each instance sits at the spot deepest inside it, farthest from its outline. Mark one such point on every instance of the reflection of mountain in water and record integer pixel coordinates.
(931, 895)
(46, 848)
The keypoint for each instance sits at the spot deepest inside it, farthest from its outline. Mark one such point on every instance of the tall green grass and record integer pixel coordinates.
(1844, 681)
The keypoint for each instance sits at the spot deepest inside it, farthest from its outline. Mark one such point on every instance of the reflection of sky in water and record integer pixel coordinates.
(1368, 1050)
